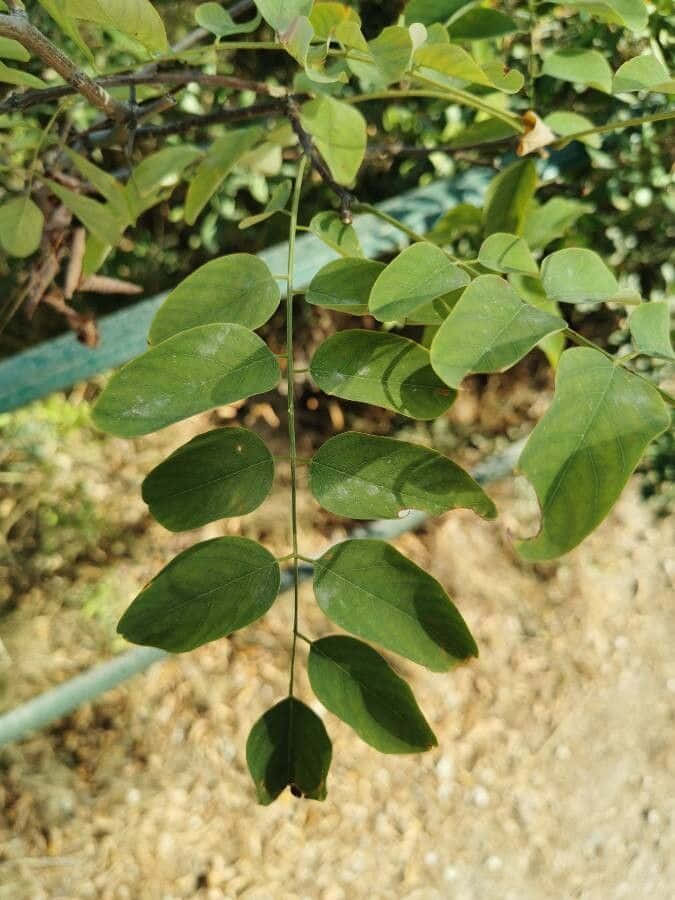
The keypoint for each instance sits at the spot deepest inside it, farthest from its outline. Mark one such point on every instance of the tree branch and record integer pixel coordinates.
(16, 26)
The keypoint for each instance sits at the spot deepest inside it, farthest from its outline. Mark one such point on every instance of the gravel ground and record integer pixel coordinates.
(554, 776)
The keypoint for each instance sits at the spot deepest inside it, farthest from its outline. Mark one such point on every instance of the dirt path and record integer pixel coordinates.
(554, 778)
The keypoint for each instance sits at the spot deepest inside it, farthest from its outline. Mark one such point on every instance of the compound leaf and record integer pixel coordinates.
(344, 285)
(238, 288)
(581, 454)
(193, 371)
(205, 593)
(414, 278)
(504, 252)
(373, 591)
(359, 686)
(363, 476)
(583, 66)
(288, 747)
(223, 473)
(336, 234)
(339, 132)
(383, 369)
(489, 330)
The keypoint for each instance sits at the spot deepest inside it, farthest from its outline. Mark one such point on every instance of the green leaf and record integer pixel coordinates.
(21, 224)
(485, 131)
(552, 220)
(339, 132)
(325, 18)
(371, 590)
(643, 73)
(10, 49)
(508, 196)
(238, 288)
(382, 369)
(465, 218)
(280, 14)
(577, 275)
(390, 53)
(189, 373)
(630, 13)
(530, 290)
(106, 185)
(479, 24)
(329, 228)
(429, 12)
(219, 22)
(277, 202)
(55, 8)
(97, 217)
(504, 252)
(136, 18)
(223, 473)
(359, 686)
(163, 168)
(222, 156)
(565, 123)
(289, 747)
(650, 329)
(344, 285)
(580, 66)
(8, 75)
(581, 454)
(415, 277)
(205, 593)
(362, 476)
(452, 61)
(437, 311)
(489, 330)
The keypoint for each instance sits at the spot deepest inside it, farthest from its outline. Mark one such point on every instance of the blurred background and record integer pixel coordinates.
(555, 771)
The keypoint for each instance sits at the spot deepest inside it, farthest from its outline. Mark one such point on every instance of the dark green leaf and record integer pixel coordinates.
(222, 156)
(650, 329)
(359, 686)
(530, 290)
(98, 218)
(106, 185)
(205, 593)
(329, 227)
(508, 196)
(552, 220)
(366, 477)
(277, 202)
(489, 330)
(430, 11)
(344, 285)
(219, 22)
(339, 132)
(480, 23)
(414, 278)
(237, 288)
(223, 473)
(371, 590)
(486, 131)
(191, 372)
(504, 252)
(577, 275)
(383, 369)
(581, 454)
(289, 747)
(390, 52)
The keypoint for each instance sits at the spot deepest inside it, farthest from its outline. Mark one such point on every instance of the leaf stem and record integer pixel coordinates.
(614, 126)
(290, 382)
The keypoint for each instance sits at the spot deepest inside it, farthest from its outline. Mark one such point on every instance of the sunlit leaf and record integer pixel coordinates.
(504, 252)
(581, 454)
(344, 285)
(280, 14)
(390, 52)
(577, 275)
(580, 66)
(452, 61)
(650, 329)
(10, 49)
(205, 593)
(136, 18)
(643, 73)
(289, 747)
(10, 75)
(363, 476)
(21, 224)
(631, 13)
(382, 369)
(373, 591)
(222, 473)
(190, 372)
(222, 156)
(415, 277)
(359, 686)
(489, 330)
(339, 132)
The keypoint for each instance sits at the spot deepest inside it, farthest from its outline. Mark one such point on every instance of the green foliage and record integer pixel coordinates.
(449, 76)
